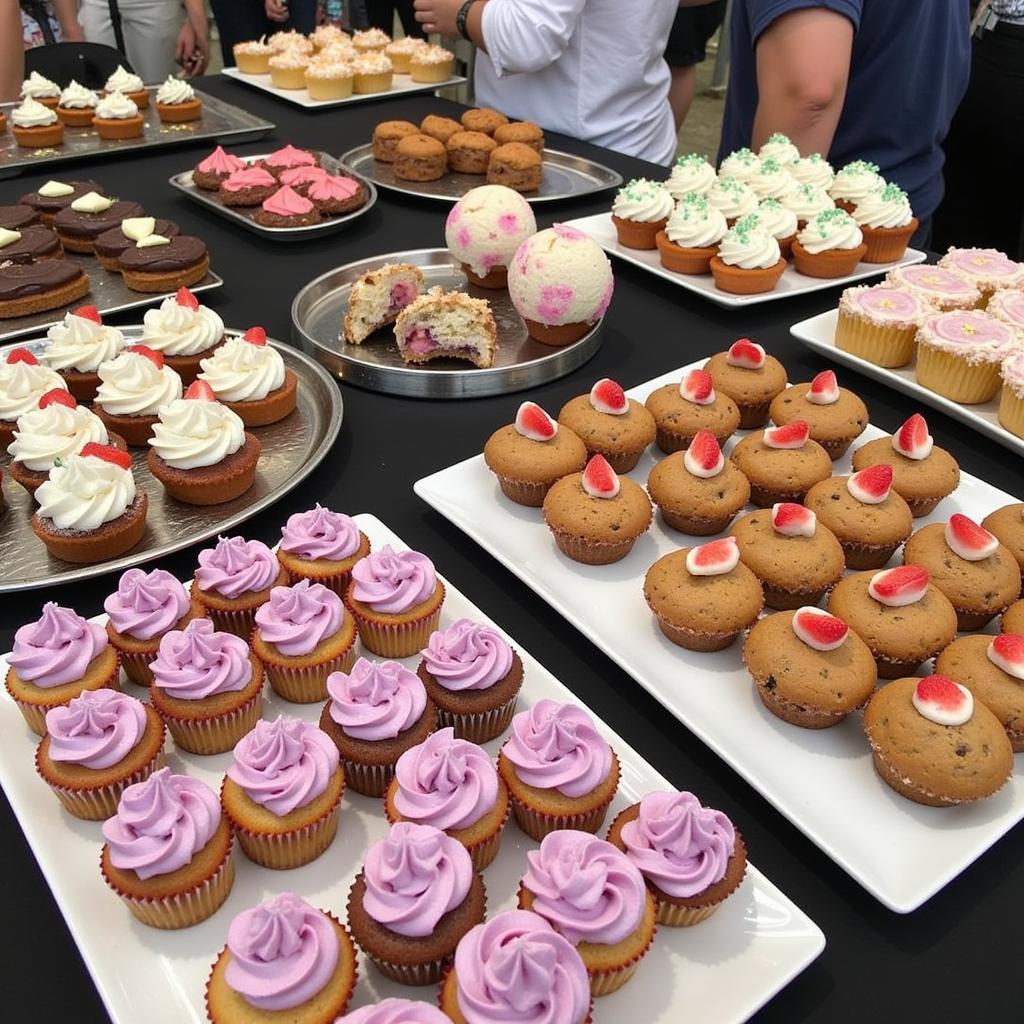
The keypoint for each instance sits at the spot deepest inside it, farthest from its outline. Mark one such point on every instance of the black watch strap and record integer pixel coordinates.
(461, 19)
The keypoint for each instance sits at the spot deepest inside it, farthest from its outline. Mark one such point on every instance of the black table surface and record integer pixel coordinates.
(957, 958)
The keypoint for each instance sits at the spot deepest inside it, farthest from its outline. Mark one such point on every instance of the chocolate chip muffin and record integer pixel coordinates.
(386, 137)
(517, 166)
(468, 152)
(483, 119)
(419, 158)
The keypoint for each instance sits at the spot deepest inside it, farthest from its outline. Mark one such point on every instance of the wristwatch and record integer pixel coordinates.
(461, 18)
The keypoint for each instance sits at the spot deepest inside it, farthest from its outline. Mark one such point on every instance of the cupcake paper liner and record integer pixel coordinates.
(695, 526)
(523, 492)
(637, 234)
(697, 640)
(589, 552)
(883, 346)
(285, 850)
(785, 600)
(1011, 412)
(955, 378)
(482, 726)
(368, 779)
(604, 983)
(887, 245)
(683, 917)
(968, 619)
(867, 556)
(307, 684)
(411, 974)
(215, 735)
(923, 506)
(101, 803)
(241, 622)
(536, 824)
(399, 639)
(136, 666)
(752, 415)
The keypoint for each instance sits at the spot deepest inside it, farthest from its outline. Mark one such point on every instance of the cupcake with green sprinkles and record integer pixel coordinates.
(853, 182)
(779, 222)
(749, 260)
(887, 223)
(732, 198)
(640, 210)
(772, 180)
(741, 164)
(690, 173)
(691, 236)
(829, 246)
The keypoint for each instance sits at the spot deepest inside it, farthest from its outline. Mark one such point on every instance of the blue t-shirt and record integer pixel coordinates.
(908, 73)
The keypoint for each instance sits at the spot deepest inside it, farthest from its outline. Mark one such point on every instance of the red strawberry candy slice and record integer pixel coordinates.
(21, 355)
(156, 358)
(186, 298)
(913, 439)
(871, 486)
(88, 313)
(607, 396)
(746, 354)
(534, 423)
(1007, 652)
(255, 336)
(200, 391)
(704, 456)
(824, 389)
(819, 630)
(108, 453)
(713, 559)
(792, 520)
(942, 701)
(896, 588)
(599, 479)
(969, 540)
(790, 435)
(58, 396)
(697, 387)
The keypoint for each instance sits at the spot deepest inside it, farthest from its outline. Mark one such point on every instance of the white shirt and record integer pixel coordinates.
(593, 69)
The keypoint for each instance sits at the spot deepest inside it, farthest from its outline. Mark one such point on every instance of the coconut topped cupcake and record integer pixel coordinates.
(989, 269)
(884, 305)
(690, 173)
(1008, 305)
(972, 335)
(944, 289)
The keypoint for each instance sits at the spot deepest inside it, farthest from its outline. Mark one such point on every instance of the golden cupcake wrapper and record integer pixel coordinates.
(397, 640)
(955, 378)
(336, 581)
(1011, 412)
(479, 727)
(136, 666)
(241, 622)
(285, 850)
(524, 492)
(307, 685)
(589, 552)
(883, 346)
(536, 824)
(867, 556)
(411, 974)
(604, 983)
(368, 779)
(215, 735)
(101, 803)
(684, 917)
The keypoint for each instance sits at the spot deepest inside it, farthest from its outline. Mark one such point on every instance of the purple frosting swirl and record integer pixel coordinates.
(376, 700)
(284, 764)
(556, 746)
(297, 618)
(516, 967)
(414, 877)
(396, 1011)
(57, 648)
(197, 662)
(445, 782)
(161, 824)
(682, 847)
(587, 888)
(283, 952)
(467, 656)
(146, 603)
(96, 729)
(236, 567)
(320, 533)
(392, 582)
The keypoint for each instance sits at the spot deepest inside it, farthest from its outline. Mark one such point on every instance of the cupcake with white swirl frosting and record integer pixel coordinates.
(117, 116)
(690, 173)
(77, 345)
(732, 198)
(176, 101)
(134, 387)
(77, 105)
(811, 170)
(129, 83)
(887, 223)
(691, 236)
(854, 181)
(829, 246)
(639, 212)
(741, 164)
(779, 222)
(185, 331)
(778, 147)
(749, 260)
(772, 180)
(806, 202)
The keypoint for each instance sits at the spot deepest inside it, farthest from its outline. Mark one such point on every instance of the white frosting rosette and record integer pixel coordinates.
(56, 432)
(732, 198)
(22, 385)
(32, 114)
(77, 97)
(132, 385)
(178, 330)
(749, 247)
(192, 433)
(887, 208)
(175, 90)
(85, 492)
(741, 164)
(690, 173)
(775, 218)
(642, 200)
(695, 223)
(772, 180)
(811, 170)
(778, 147)
(123, 80)
(115, 106)
(833, 229)
(241, 372)
(78, 343)
(37, 86)
(856, 180)
(807, 201)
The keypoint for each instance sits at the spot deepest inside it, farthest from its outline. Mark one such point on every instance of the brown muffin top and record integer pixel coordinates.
(845, 418)
(421, 147)
(518, 131)
(437, 127)
(471, 140)
(788, 563)
(570, 509)
(1007, 525)
(674, 488)
(913, 479)
(607, 432)
(394, 129)
(785, 470)
(511, 455)
(745, 386)
(483, 119)
(888, 522)
(1013, 618)
(517, 155)
(676, 415)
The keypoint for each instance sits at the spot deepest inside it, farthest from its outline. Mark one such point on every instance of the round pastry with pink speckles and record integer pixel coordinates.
(878, 323)
(942, 288)
(988, 269)
(561, 283)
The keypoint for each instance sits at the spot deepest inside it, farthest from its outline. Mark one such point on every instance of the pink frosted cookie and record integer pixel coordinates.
(944, 289)
(287, 209)
(209, 173)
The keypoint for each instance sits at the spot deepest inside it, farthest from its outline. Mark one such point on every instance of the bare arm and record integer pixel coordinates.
(438, 16)
(12, 50)
(67, 15)
(803, 64)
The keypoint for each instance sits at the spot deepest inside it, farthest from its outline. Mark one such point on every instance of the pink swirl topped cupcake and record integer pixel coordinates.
(302, 635)
(146, 606)
(592, 893)
(283, 791)
(416, 896)
(212, 170)
(560, 771)
(451, 784)
(168, 851)
(396, 599)
(397, 1011)
(941, 288)
(988, 269)
(234, 578)
(322, 546)
(97, 745)
(56, 658)
(282, 957)
(691, 856)
(551, 984)
(473, 676)
(207, 687)
(879, 323)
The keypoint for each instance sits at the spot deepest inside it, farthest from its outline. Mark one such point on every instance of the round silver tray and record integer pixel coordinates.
(519, 361)
(566, 176)
(292, 449)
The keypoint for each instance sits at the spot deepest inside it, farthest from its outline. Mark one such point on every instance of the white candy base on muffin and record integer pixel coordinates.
(378, 297)
(446, 325)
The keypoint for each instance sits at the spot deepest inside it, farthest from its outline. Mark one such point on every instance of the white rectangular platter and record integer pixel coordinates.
(602, 230)
(823, 781)
(402, 85)
(719, 972)
(818, 332)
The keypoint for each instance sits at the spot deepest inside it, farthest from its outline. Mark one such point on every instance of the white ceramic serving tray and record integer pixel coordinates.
(823, 781)
(718, 972)
(602, 230)
(818, 332)
(402, 85)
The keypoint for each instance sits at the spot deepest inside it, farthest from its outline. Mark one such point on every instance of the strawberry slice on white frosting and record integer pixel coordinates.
(746, 354)
(599, 479)
(824, 389)
(698, 388)
(943, 701)
(790, 435)
(713, 559)
(969, 540)
(871, 486)
(534, 423)
(818, 629)
(704, 457)
(607, 396)
(898, 587)
(1006, 651)
(792, 520)
(913, 439)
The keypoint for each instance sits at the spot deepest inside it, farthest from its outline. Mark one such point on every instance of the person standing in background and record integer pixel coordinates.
(50, 21)
(12, 51)
(291, 15)
(381, 14)
(687, 47)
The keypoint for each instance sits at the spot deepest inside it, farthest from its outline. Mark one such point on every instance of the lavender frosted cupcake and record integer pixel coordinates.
(415, 898)
(95, 747)
(591, 893)
(396, 599)
(282, 792)
(451, 784)
(145, 607)
(374, 714)
(302, 635)
(559, 770)
(691, 856)
(397, 1011)
(284, 961)
(233, 579)
(207, 687)
(474, 677)
(322, 546)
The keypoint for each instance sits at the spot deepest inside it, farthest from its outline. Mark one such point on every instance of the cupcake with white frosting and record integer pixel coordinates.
(779, 222)
(184, 331)
(117, 116)
(887, 222)
(77, 345)
(640, 210)
(176, 101)
(128, 83)
(749, 260)
(829, 246)
(690, 173)
(811, 170)
(23, 381)
(853, 182)
(39, 88)
(691, 236)
(77, 105)
(134, 386)
(779, 147)
(732, 199)
(35, 126)
(772, 180)
(806, 202)
(741, 164)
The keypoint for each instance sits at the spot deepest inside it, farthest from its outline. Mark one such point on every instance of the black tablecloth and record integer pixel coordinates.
(955, 959)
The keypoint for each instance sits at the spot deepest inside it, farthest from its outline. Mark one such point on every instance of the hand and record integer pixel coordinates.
(185, 45)
(438, 16)
(275, 10)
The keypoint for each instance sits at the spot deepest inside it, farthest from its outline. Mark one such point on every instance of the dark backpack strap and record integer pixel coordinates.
(115, 21)
(36, 10)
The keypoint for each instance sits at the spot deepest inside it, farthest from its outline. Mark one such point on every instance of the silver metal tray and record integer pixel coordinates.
(292, 449)
(219, 120)
(403, 86)
(565, 177)
(107, 292)
(244, 215)
(519, 361)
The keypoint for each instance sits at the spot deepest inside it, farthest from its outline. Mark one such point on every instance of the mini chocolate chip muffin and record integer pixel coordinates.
(780, 473)
(750, 377)
(1007, 525)
(440, 128)
(836, 416)
(483, 119)
(682, 410)
(386, 137)
(517, 166)
(1013, 618)
(420, 158)
(468, 152)
(621, 431)
(526, 132)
